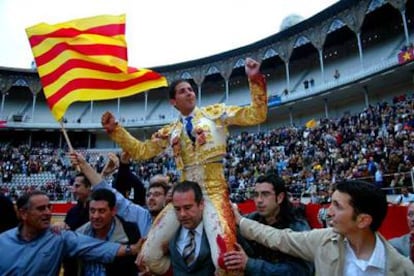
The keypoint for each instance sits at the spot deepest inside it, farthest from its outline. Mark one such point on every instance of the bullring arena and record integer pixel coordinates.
(340, 98)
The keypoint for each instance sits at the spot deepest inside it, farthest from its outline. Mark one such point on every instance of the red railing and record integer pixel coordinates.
(394, 225)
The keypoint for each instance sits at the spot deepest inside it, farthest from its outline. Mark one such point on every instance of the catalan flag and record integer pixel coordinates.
(311, 123)
(86, 59)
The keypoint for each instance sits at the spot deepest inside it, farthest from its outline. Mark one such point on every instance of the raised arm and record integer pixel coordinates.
(78, 160)
(126, 209)
(125, 180)
(256, 112)
(139, 150)
(298, 244)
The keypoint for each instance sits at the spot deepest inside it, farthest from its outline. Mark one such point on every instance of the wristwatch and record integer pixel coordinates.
(128, 250)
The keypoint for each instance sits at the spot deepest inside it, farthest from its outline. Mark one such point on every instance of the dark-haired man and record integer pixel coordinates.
(76, 216)
(351, 246)
(273, 209)
(189, 249)
(198, 141)
(33, 248)
(156, 197)
(105, 225)
(126, 209)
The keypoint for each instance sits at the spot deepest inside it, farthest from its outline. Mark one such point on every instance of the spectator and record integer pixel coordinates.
(8, 216)
(351, 246)
(33, 249)
(105, 225)
(126, 209)
(156, 196)
(273, 209)
(312, 82)
(323, 217)
(379, 177)
(189, 249)
(336, 74)
(405, 197)
(306, 84)
(76, 216)
(405, 243)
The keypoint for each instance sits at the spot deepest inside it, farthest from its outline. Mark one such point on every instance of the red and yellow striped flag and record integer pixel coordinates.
(86, 59)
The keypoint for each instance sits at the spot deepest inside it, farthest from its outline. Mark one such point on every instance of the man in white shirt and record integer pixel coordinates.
(351, 246)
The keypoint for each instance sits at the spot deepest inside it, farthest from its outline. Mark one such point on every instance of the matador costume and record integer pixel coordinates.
(199, 161)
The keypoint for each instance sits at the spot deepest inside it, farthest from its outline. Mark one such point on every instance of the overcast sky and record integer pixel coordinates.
(159, 32)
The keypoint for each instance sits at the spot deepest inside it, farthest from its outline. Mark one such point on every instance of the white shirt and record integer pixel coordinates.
(375, 266)
(183, 238)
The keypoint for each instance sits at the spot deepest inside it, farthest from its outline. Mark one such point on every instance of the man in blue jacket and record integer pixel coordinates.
(33, 249)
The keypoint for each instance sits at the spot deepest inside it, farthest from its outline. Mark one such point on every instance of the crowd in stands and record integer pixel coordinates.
(374, 145)
(21, 166)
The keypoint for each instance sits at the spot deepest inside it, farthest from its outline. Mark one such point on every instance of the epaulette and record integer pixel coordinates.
(213, 111)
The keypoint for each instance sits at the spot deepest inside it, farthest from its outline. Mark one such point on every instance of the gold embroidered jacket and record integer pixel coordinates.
(210, 130)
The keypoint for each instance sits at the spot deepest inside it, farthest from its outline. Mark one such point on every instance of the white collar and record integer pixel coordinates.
(377, 258)
(198, 230)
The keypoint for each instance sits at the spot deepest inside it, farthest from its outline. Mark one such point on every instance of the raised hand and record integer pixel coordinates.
(108, 121)
(76, 159)
(125, 157)
(252, 67)
(111, 165)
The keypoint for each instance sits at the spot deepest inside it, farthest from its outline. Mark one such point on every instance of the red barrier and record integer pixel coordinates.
(311, 212)
(246, 207)
(61, 208)
(394, 225)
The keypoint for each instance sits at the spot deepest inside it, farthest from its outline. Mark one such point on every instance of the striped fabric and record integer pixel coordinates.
(189, 249)
(86, 59)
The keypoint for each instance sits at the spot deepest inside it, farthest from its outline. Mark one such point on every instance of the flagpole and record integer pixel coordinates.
(65, 134)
